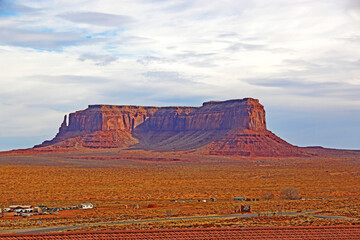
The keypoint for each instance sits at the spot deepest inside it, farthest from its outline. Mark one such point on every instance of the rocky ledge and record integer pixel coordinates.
(232, 127)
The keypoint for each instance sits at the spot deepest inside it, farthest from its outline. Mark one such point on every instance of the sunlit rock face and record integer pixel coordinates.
(233, 127)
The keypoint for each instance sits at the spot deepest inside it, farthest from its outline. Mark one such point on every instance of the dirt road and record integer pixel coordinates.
(63, 228)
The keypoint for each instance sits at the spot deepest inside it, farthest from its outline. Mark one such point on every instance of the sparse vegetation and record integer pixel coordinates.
(328, 186)
(268, 196)
(290, 193)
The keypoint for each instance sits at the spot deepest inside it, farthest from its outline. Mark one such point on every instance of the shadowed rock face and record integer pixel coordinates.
(229, 127)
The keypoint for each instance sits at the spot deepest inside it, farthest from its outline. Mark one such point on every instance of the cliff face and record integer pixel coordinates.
(246, 113)
(215, 127)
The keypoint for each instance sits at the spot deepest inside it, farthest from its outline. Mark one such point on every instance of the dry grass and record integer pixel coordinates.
(111, 185)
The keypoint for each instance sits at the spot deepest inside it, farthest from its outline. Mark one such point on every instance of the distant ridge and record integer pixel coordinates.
(232, 127)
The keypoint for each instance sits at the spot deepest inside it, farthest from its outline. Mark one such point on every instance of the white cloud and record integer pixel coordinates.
(36, 39)
(97, 18)
(98, 59)
(299, 53)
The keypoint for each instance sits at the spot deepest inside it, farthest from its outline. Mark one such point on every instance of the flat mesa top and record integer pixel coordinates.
(205, 103)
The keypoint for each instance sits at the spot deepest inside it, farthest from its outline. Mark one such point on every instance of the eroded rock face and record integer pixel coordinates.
(246, 113)
(227, 127)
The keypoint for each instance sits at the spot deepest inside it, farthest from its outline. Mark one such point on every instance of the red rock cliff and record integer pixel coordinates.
(245, 113)
(215, 124)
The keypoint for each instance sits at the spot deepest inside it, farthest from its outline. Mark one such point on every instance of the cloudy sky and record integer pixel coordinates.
(301, 58)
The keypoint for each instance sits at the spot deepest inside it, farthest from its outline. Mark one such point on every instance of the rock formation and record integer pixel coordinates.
(233, 127)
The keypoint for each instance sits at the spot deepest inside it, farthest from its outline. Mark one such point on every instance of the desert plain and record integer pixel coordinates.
(132, 186)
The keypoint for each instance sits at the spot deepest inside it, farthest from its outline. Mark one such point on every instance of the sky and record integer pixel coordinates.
(300, 58)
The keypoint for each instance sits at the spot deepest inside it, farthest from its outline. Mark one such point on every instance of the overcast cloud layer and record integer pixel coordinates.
(301, 58)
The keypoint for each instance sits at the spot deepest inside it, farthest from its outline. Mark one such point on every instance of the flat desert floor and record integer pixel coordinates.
(137, 186)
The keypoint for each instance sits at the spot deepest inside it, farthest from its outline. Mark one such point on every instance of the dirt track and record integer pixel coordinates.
(63, 228)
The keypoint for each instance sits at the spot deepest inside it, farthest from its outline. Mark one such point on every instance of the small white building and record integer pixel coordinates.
(21, 208)
(86, 206)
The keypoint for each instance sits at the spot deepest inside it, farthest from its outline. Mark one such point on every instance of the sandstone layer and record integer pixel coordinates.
(233, 127)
